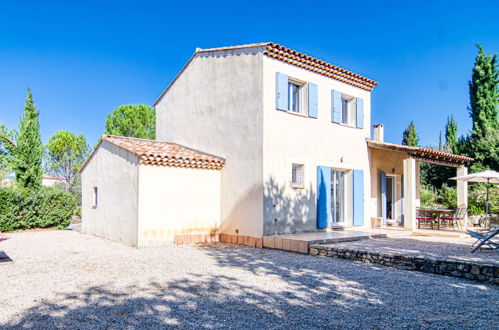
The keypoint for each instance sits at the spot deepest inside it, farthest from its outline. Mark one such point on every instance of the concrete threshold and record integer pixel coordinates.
(300, 242)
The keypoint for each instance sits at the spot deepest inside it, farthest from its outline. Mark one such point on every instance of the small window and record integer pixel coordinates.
(297, 176)
(95, 197)
(294, 97)
(349, 111)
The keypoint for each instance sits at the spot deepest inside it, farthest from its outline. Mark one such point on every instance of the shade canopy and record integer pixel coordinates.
(485, 177)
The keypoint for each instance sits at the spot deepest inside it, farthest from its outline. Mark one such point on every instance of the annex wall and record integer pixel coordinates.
(114, 172)
(177, 201)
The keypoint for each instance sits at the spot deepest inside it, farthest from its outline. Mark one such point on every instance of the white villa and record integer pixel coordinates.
(252, 141)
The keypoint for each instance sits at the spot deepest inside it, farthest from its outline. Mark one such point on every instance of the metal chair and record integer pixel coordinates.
(423, 218)
(484, 239)
(457, 216)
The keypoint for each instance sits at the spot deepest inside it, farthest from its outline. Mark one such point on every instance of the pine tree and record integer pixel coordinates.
(484, 102)
(410, 136)
(29, 149)
(451, 140)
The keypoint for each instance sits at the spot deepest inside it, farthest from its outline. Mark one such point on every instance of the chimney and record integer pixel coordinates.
(379, 132)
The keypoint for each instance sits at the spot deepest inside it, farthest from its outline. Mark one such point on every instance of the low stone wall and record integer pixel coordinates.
(482, 272)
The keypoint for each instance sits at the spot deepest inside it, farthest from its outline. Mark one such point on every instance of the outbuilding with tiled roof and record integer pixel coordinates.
(144, 192)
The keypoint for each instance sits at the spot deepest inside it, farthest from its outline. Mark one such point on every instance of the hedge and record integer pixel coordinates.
(46, 207)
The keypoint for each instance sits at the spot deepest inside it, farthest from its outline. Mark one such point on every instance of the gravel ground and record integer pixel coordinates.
(455, 248)
(64, 279)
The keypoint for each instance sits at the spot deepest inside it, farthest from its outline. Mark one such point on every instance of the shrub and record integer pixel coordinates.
(448, 196)
(427, 195)
(46, 207)
(477, 199)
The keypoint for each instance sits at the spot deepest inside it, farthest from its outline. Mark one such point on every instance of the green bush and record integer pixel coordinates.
(448, 196)
(477, 197)
(46, 207)
(428, 195)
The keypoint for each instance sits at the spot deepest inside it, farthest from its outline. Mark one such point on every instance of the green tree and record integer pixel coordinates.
(7, 147)
(410, 136)
(137, 121)
(66, 154)
(484, 102)
(451, 140)
(28, 152)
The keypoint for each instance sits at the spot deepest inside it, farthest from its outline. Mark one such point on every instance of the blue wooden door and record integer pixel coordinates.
(358, 197)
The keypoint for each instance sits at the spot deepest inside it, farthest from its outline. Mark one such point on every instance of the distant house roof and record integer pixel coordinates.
(423, 154)
(298, 59)
(53, 177)
(161, 153)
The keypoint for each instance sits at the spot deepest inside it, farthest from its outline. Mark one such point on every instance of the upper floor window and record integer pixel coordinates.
(348, 109)
(295, 97)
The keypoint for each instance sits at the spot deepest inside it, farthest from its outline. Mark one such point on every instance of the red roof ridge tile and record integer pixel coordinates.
(162, 153)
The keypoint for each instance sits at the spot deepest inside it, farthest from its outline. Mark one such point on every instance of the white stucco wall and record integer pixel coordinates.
(313, 142)
(215, 106)
(114, 171)
(177, 201)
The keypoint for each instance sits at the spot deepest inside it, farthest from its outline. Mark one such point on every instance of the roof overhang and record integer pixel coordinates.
(293, 57)
(423, 154)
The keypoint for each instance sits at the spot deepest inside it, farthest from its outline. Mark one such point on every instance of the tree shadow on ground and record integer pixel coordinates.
(259, 288)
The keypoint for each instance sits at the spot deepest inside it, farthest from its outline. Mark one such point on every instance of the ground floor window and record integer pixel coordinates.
(338, 196)
(297, 175)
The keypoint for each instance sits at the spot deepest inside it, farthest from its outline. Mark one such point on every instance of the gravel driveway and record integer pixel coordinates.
(64, 279)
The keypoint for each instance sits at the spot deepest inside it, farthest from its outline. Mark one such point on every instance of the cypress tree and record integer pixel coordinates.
(410, 136)
(29, 150)
(484, 102)
(451, 139)
(440, 144)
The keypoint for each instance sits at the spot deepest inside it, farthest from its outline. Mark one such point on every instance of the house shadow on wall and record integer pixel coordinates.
(288, 210)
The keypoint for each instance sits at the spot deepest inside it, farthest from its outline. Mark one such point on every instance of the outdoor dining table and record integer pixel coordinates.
(437, 214)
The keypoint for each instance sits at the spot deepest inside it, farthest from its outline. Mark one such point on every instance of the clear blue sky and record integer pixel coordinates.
(84, 58)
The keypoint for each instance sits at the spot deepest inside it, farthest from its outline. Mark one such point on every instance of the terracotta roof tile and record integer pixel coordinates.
(161, 153)
(316, 65)
(423, 154)
(293, 57)
(305, 61)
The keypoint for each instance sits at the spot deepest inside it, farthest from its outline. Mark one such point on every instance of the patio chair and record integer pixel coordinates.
(484, 239)
(3, 237)
(423, 218)
(455, 218)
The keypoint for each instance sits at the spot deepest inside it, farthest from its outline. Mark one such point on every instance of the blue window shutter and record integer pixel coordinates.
(313, 100)
(360, 113)
(382, 178)
(336, 113)
(324, 215)
(281, 91)
(358, 197)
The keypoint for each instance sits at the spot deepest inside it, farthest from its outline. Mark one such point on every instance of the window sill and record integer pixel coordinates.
(347, 125)
(297, 187)
(297, 114)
